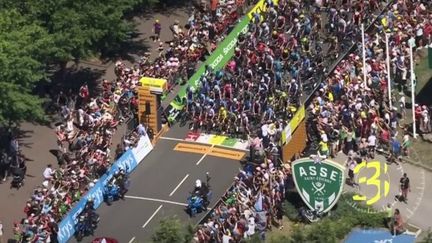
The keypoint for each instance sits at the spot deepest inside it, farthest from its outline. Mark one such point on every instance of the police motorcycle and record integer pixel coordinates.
(116, 187)
(199, 199)
(311, 216)
(88, 220)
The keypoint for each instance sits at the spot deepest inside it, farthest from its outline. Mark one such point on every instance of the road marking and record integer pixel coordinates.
(205, 155)
(152, 216)
(192, 148)
(132, 240)
(410, 212)
(226, 153)
(173, 139)
(196, 142)
(177, 187)
(158, 200)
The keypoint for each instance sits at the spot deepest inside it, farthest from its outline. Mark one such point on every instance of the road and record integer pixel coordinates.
(160, 186)
(418, 210)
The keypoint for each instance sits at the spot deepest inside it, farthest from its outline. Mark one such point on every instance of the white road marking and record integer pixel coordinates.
(202, 158)
(158, 200)
(410, 212)
(188, 141)
(177, 187)
(173, 139)
(152, 216)
(132, 240)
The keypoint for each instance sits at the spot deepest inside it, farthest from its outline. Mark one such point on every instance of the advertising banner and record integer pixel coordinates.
(128, 161)
(156, 84)
(319, 184)
(297, 118)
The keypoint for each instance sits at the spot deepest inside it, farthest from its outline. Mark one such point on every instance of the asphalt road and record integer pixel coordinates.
(418, 210)
(160, 186)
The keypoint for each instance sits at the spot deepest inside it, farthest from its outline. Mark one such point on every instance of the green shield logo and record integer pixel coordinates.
(319, 184)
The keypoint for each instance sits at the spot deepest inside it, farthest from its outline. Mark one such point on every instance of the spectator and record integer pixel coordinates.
(404, 187)
(48, 173)
(157, 27)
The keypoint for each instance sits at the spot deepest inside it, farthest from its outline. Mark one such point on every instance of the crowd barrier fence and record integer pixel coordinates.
(128, 161)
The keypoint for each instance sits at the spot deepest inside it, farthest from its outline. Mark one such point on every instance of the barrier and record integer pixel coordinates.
(128, 161)
(219, 58)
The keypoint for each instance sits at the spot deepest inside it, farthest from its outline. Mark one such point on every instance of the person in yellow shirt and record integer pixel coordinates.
(222, 114)
(324, 149)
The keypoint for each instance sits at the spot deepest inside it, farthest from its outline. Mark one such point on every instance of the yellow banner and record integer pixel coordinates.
(155, 84)
(298, 117)
(260, 7)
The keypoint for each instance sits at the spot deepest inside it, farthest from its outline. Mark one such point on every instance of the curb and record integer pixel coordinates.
(412, 162)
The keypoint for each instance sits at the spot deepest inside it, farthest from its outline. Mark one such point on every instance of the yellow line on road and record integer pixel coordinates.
(212, 151)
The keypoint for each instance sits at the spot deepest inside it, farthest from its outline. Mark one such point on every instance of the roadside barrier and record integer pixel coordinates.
(128, 161)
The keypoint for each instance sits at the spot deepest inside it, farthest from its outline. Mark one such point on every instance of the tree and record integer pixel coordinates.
(79, 28)
(21, 51)
(172, 230)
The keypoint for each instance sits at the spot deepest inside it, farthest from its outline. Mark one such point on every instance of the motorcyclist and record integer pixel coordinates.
(121, 181)
(201, 190)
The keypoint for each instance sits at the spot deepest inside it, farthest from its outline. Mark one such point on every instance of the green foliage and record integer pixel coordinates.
(290, 211)
(39, 36)
(334, 227)
(21, 63)
(255, 239)
(427, 238)
(16, 105)
(171, 230)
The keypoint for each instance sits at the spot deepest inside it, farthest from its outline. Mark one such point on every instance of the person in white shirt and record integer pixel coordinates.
(48, 172)
(372, 145)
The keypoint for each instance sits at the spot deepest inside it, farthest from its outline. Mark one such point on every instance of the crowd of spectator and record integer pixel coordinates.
(250, 89)
(249, 206)
(178, 59)
(354, 116)
(282, 57)
(89, 121)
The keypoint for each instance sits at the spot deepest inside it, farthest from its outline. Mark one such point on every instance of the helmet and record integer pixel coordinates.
(157, 20)
(198, 183)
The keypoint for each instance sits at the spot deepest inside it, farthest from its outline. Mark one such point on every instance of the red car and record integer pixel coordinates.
(105, 240)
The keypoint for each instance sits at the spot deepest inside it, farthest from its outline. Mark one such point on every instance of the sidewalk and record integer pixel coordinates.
(37, 140)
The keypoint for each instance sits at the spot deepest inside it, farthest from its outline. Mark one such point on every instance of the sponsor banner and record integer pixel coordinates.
(128, 161)
(319, 183)
(297, 118)
(378, 236)
(260, 7)
(156, 84)
(218, 140)
(143, 148)
(286, 135)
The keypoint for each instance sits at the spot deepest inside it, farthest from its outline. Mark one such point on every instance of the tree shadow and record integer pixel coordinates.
(165, 7)
(129, 50)
(423, 97)
(73, 78)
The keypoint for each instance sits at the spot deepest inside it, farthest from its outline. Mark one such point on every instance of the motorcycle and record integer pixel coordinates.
(112, 193)
(310, 216)
(87, 223)
(199, 199)
(116, 188)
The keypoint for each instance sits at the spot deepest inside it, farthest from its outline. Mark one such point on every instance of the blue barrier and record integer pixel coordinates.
(128, 161)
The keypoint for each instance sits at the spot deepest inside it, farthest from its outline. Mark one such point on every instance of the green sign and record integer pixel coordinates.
(319, 184)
